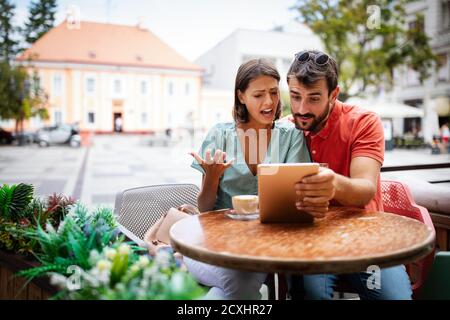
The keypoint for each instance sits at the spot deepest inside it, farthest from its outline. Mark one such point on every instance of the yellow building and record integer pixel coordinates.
(95, 73)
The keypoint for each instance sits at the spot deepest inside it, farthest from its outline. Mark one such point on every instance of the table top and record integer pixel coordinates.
(347, 240)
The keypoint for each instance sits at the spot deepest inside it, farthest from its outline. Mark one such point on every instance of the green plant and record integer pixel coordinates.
(20, 213)
(12, 237)
(57, 207)
(14, 199)
(70, 244)
(119, 273)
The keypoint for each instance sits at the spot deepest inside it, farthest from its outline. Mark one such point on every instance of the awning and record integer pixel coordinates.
(387, 109)
(442, 106)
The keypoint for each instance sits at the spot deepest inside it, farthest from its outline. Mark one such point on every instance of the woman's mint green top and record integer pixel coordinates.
(287, 144)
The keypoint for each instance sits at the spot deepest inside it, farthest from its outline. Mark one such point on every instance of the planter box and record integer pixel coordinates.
(14, 288)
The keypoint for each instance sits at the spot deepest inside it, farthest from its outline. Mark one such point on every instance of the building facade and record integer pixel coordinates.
(223, 60)
(280, 45)
(107, 77)
(433, 95)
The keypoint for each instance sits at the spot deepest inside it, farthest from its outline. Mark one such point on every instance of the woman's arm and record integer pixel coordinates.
(214, 169)
(208, 193)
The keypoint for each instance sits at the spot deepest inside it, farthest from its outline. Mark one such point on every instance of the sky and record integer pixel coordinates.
(191, 27)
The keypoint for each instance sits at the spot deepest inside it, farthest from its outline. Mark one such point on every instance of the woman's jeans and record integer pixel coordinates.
(390, 284)
(226, 283)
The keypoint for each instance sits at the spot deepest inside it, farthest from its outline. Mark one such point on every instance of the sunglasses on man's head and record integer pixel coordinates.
(319, 58)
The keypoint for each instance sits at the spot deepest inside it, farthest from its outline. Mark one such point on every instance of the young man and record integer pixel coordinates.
(350, 140)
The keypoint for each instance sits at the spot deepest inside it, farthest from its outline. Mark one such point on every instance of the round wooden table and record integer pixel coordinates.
(347, 240)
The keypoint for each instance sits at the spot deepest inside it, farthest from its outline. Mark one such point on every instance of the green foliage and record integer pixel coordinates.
(12, 237)
(63, 239)
(286, 103)
(70, 244)
(21, 96)
(366, 53)
(20, 213)
(57, 207)
(14, 200)
(8, 44)
(118, 273)
(41, 19)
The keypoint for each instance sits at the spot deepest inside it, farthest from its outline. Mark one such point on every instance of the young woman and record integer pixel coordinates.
(253, 138)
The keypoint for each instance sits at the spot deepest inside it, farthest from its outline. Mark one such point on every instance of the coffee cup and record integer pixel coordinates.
(245, 204)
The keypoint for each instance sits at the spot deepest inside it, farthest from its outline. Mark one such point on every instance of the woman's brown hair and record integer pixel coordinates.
(247, 72)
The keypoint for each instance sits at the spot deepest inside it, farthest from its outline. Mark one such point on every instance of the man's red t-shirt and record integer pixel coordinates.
(349, 132)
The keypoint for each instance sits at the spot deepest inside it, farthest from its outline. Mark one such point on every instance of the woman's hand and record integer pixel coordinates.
(214, 166)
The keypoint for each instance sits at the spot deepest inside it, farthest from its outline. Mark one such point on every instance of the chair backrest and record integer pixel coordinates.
(437, 284)
(398, 199)
(137, 209)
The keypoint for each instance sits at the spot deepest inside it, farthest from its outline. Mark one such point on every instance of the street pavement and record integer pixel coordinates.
(116, 162)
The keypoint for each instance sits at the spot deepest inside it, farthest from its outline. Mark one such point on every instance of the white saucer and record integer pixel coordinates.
(249, 216)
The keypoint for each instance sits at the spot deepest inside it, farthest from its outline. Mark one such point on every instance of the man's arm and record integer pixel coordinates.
(356, 190)
(361, 187)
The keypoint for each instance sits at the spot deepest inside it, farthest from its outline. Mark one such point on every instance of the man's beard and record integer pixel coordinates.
(317, 122)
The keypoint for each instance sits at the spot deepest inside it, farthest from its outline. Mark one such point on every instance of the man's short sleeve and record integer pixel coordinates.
(368, 138)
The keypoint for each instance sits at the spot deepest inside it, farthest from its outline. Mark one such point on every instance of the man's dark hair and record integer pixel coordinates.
(247, 72)
(309, 72)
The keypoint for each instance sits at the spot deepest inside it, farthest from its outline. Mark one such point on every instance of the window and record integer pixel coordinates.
(187, 89)
(442, 65)
(90, 85)
(143, 87)
(57, 84)
(412, 77)
(57, 117)
(91, 117)
(445, 15)
(144, 118)
(35, 82)
(170, 88)
(117, 86)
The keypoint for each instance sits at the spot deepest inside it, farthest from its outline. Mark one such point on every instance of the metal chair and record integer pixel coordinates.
(398, 199)
(137, 209)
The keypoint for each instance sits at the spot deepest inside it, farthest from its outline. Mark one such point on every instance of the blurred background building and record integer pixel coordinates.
(223, 60)
(109, 77)
(433, 95)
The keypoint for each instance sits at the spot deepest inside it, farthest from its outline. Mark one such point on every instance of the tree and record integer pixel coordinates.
(367, 41)
(21, 96)
(8, 46)
(41, 18)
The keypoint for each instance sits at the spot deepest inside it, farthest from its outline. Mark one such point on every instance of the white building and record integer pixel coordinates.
(434, 94)
(95, 73)
(223, 60)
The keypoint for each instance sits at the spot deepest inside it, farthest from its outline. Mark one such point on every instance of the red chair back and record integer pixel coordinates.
(398, 199)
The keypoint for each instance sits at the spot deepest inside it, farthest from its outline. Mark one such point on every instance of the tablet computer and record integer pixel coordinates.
(276, 192)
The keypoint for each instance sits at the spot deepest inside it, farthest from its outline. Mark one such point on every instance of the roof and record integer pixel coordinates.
(109, 44)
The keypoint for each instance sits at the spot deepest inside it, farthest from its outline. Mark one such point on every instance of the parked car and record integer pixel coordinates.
(6, 137)
(24, 138)
(59, 134)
